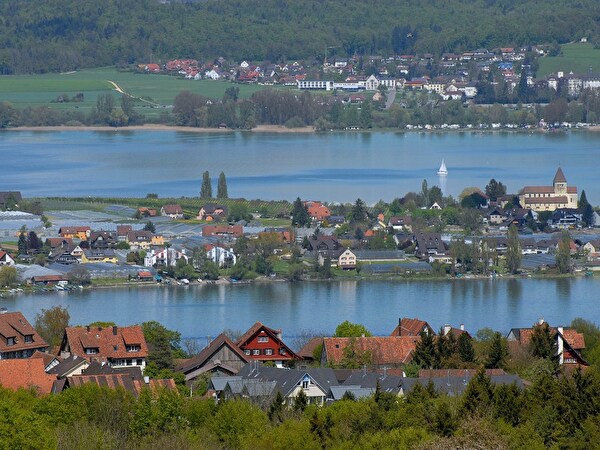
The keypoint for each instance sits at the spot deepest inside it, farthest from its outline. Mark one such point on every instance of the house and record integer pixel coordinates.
(221, 256)
(102, 239)
(401, 223)
(172, 210)
(144, 275)
(122, 231)
(140, 239)
(379, 351)
(412, 327)
(47, 280)
(569, 342)
(549, 198)
(592, 249)
(317, 211)
(347, 260)
(99, 255)
(147, 212)
(455, 332)
(18, 339)
(67, 367)
(116, 346)
(429, 246)
(223, 230)
(66, 252)
(211, 212)
(220, 357)
(453, 383)
(81, 233)
(49, 359)
(379, 255)
(496, 217)
(285, 235)
(167, 256)
(265, 344)
(564, 218)
(10, 199)
(26, 374)
(6, 259)
(124, 381)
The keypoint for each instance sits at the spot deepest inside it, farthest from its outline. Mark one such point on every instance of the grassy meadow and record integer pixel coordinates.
(576, 58)
(38, 90)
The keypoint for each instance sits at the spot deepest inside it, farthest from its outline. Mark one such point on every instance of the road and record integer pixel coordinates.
(391, 96)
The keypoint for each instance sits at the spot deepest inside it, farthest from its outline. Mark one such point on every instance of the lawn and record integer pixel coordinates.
(576, 58)
(35, 90)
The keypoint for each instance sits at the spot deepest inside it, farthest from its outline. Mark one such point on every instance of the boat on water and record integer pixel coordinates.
(442, 170)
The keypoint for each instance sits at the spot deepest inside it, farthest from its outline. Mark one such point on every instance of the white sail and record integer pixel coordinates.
(443, 170)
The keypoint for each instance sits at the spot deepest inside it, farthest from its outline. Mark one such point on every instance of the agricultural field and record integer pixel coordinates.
(576, 58)
(158, 90)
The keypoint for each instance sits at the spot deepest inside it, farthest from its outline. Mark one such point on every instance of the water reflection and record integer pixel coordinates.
(563, 288)
(514, 289)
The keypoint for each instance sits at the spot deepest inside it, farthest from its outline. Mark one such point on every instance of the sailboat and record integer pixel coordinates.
(442, 170)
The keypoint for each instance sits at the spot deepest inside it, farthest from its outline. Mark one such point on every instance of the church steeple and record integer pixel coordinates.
(560, 182)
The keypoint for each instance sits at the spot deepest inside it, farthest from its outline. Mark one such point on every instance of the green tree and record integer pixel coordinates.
(300, 402)
(479, 394)
(359, 211)
(466, 352)
(513, 250)
(543, 342)
(23, 244)
(349, 329)
(239, 211)
(444, 422)
(222, 186)
(497, 352)
(105, 103)
(79, 276)
(163, 344)
(563, 253)
(425, 194)
(275, 413)
(150, 227)
(8, 276)
(9, 115)
(494, 190)
(206, 189)
(425, 355)
(51, 324)
(300, 216)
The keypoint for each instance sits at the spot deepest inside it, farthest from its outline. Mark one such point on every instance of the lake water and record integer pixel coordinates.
(203, 311)
(329, 166)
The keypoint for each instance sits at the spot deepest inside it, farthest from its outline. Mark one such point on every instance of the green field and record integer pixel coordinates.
(36, 90)
(576, 58)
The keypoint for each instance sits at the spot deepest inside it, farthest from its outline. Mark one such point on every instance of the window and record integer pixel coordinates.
(305, 384)
(28, 339)
(263, 339)
(91, 351)
(268, 351)
(133, 348)
(282, 351)
(256, 352)
(10, 341)
(247, 351)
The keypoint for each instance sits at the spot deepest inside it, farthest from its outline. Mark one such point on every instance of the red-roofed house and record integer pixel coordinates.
(18, 339)
(222, 230)
(26, 374)
(116, 346)
(6, 259)
(317, 210)
(265, 344)
(173, 211)
(386, 351)
(412, 327)
(569, 342)
(81, 233)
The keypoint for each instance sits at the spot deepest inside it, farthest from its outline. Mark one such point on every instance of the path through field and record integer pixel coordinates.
(121, 91)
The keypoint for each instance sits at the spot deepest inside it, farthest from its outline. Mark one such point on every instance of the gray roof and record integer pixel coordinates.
(379, 254)
(337, 392)
(455, 386)
(369, 380)
(66, 365)
(219, 383)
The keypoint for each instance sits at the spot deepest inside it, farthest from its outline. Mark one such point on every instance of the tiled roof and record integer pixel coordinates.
(384, 350)
(15, 325)
(124, 381)
(409, 327)
(244, 338)
(111, 342)
(201, 358)
(549, 200)
(308, 350)
(574, 339)
(172, 209)
(559, 177)
(26, 373)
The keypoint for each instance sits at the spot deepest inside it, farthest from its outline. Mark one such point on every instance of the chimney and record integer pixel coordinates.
(115, 330)
(279, 335)
(462, 327)
(447, 329)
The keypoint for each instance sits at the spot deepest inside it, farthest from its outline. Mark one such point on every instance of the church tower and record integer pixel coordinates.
(560, 182)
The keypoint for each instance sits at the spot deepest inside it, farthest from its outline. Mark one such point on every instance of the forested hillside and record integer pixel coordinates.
(60, 35)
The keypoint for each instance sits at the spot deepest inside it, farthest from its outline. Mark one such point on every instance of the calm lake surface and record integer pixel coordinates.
(329, 166)
(203, 311)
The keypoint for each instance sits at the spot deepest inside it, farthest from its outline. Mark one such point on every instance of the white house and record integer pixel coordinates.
(212, 74)
(221, 256)
(5, 259)
(164, 257)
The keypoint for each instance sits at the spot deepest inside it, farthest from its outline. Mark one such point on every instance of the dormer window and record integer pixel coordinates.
(28, 339)
(91, 351)
(11, 341)
(263, 339)
(133, 348)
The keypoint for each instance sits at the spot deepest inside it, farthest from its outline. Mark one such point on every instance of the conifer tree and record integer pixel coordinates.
(300, 217)
(513, 250)
(276, 409)
(206, 189)
(425, 352)
(563, 254)
(479, 393)
(543, 342)
(222, 186)
(466, 352)
(498, 352)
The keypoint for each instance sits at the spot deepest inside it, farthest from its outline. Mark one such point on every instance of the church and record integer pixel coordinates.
(549, 198)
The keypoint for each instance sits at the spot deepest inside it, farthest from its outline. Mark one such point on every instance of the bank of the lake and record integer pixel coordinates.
(200, 311)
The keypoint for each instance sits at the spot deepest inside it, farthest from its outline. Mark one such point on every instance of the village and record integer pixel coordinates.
(541, 230)
(481, 76)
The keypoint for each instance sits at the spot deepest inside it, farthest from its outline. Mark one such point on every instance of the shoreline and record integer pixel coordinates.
(282, 129)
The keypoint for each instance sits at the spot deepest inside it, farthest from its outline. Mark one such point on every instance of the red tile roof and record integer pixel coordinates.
(393, 350)
(15, 325)
(307, 352)
(574, 339)
(111, 342)
(172, 209)
(26, 373)
(124, 380)
(410, 327)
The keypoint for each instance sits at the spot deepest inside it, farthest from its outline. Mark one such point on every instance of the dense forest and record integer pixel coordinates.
(60, 35)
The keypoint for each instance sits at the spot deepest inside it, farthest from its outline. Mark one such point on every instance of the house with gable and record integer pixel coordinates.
(317, 210)
(265, 344)
(81, 233)
(430, 247)
(18, 339)
(221, 357)
(6, 259)
(569, 342)
(221, 256)
(212, 212)
(115, 346)
(165, 256)
(172, 210)
(412, 327)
